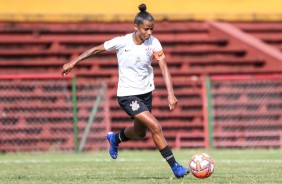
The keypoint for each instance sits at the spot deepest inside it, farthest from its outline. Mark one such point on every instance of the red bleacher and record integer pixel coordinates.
(269, 32)
(193, 51)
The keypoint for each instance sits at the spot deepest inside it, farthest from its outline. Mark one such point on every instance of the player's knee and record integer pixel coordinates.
(156, 128)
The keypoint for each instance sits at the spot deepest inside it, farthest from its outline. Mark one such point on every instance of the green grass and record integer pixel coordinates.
(232, 166)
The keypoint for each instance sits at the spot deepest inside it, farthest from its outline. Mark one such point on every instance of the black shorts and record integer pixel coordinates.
(136, 104)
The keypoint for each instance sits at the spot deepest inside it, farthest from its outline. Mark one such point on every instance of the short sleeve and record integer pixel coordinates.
(114, 43)
(158, 50)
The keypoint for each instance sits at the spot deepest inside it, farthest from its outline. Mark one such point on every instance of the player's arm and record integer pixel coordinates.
(87, 54)
(167, 79)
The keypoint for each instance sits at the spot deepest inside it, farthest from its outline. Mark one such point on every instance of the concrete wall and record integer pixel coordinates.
(125, 10)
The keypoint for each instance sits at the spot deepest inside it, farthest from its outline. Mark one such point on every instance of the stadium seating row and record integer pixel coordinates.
(39, 114)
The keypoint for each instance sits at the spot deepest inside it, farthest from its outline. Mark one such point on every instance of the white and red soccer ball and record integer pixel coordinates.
(201, 165)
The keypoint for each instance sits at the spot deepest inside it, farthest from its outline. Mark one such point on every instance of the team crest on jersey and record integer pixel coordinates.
(134, 105)
(149, 51)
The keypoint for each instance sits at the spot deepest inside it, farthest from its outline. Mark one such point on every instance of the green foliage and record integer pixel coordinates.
(232, 166)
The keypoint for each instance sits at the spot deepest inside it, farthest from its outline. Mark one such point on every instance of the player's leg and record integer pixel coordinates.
(139, 108)
(132, 105)
(155, 128)
(157, 134)
(137, 131)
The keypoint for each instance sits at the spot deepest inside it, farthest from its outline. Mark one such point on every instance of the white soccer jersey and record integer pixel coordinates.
(136, 74)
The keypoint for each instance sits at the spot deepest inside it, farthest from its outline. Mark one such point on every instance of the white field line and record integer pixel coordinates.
(35, 161)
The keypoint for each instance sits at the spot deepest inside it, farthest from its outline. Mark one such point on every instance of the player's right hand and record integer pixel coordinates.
(67, 68)
(172, 102)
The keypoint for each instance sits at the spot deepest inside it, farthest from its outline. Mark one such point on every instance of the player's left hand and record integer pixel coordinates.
(172, 102)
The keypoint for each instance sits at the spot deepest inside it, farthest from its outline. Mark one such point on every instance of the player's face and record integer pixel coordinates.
(145, 30)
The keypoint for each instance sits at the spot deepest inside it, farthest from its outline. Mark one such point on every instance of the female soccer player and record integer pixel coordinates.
(134, 54)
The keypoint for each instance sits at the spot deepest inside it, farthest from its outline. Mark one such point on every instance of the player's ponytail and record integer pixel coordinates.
(142, 15)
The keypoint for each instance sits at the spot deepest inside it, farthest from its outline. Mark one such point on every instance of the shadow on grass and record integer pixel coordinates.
(140, 178)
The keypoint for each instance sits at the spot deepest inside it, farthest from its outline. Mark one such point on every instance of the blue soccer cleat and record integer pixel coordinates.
(180, 171)
(113, 145)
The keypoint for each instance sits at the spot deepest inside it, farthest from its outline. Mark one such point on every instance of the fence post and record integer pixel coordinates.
(74, 103)
(91, 118)
(208, 110)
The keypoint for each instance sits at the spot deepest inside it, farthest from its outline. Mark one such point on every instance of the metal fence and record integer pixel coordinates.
(245, 111)
(48, 112)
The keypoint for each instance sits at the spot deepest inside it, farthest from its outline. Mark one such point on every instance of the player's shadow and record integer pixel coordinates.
(140, 178)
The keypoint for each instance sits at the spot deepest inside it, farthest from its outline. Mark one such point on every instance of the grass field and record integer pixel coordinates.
(232, 166)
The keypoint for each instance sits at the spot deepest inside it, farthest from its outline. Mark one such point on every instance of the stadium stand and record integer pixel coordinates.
(36, 39)
(194, 50)
(269, 32)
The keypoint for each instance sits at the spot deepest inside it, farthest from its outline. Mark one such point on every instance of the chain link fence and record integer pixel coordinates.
(246, 112)
(43, 113)
(40, 113)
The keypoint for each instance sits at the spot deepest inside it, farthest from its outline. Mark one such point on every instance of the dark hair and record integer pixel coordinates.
(142, 15)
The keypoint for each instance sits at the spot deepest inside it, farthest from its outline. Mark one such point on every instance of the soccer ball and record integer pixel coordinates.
(201, 165)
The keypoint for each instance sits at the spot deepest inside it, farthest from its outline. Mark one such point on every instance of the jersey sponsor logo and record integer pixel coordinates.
(134, 105)
(126, 50)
